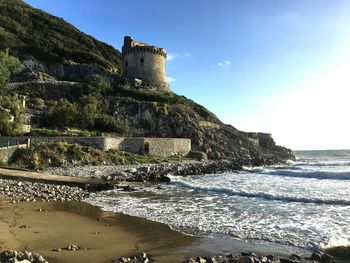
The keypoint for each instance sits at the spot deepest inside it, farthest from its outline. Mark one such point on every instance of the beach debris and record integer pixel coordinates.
(24, 226)
(57, 249)
(10, 256)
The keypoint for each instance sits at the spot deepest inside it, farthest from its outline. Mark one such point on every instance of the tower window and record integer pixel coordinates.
(142, 61)
(126, 64)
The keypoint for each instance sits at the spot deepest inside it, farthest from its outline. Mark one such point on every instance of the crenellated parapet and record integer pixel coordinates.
(144, 65)
(149, 49)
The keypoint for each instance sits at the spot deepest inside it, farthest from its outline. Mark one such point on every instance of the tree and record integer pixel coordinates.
(10, 114)
(8, 65)
(106, 123)
(6, 126)
(97, 86)
(62, 114)
(89, 108)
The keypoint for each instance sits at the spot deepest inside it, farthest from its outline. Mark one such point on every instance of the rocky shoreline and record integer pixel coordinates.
(250, 257)
(147, 172)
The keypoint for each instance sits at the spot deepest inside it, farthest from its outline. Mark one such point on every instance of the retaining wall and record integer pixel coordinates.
(164, 147)
(7, 152)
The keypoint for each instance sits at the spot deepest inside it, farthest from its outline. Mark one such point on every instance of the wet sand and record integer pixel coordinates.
(114, 236)
(76, 223)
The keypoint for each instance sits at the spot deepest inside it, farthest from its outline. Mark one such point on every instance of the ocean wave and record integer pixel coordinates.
(302, 173)
(266, 196)
(333, 163)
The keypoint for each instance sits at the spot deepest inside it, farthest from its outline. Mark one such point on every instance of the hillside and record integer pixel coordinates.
(73, 80)
(31, 33)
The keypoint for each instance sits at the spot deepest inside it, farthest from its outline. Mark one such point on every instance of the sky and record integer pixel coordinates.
(281, 67)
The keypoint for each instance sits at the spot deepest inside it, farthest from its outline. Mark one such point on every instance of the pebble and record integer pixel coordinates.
(33, 191)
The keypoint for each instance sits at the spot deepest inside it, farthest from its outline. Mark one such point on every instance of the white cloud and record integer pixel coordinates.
(224, 64)
(171, 56)
(170, 79)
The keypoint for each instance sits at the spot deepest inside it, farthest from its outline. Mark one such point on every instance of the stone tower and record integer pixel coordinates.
(145, 65)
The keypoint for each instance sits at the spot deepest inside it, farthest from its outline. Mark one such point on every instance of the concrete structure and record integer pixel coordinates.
(145, 65)
(7, 152)
(164, 147)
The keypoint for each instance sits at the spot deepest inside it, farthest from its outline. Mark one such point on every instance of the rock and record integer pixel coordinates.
(24, 226)
(144, 169)
(341, 252)
(285, 260)
(122, 260)
(211, 260)
(200, 260)
(246, 259)
(72, 247)
(263, 259)
(57, 249)
(8, 254)
(295, 256)
(189, 260)
(327, 258)
(316, 255)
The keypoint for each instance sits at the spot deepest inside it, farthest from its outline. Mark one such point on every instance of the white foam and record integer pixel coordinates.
(256, 204)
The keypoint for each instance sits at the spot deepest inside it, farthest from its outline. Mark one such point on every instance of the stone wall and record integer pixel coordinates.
(7, 152)
(164, 147)
(96, 142)
(168, 146)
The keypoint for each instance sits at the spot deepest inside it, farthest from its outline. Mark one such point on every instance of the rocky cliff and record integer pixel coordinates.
(58, 58)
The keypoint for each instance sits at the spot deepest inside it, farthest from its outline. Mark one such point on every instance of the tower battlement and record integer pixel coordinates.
(145, 64)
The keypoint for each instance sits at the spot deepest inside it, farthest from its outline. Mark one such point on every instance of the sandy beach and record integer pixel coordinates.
(48, 228)
(77, 223)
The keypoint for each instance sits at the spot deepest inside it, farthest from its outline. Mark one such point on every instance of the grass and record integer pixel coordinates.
(66, 132)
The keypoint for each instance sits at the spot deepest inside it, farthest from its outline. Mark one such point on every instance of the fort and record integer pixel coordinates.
(145, 65)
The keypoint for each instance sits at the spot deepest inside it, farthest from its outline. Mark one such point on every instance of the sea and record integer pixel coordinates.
(303, 204)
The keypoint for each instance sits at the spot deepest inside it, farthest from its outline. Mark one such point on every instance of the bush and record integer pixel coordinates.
(61, 114)
(106, 123)
(96, 86)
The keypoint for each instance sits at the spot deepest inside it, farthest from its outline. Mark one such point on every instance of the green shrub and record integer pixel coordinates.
(107, 123)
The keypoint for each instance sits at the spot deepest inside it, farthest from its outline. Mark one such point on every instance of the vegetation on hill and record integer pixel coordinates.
(60, 154)
(26, 30)
(8, 65)
(71, 83)
(10, 113)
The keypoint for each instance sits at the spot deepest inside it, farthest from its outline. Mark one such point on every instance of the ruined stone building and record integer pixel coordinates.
(145, 65)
